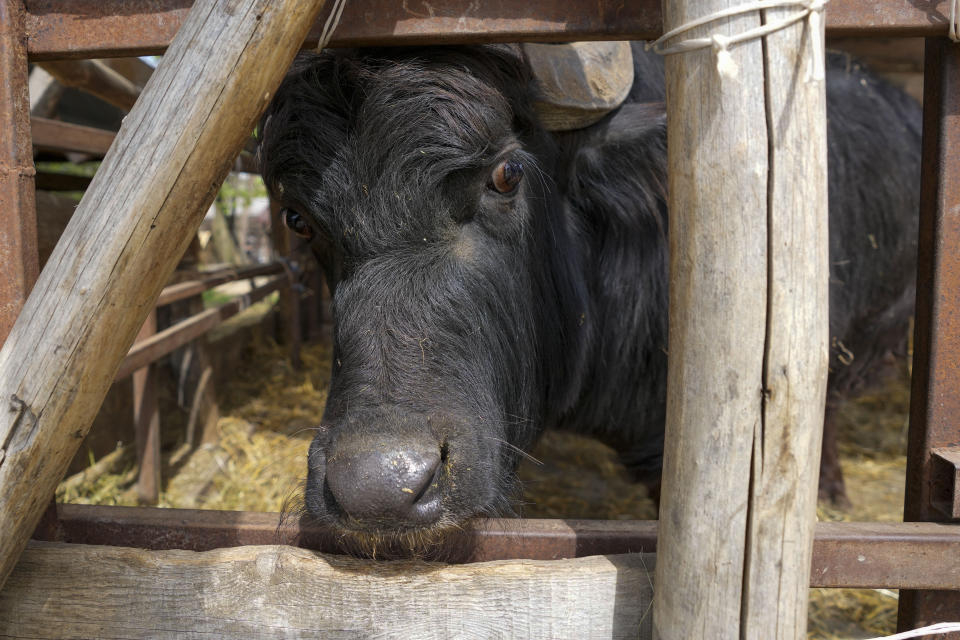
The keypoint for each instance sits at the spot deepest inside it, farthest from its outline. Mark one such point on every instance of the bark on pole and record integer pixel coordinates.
(123, 242)
(748, 331)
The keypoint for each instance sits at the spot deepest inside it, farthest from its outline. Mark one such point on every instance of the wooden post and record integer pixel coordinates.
(146, 421)
(748, 331)
(125, 239)
(289, 307)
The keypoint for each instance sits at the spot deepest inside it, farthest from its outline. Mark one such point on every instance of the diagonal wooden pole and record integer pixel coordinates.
(123, 242)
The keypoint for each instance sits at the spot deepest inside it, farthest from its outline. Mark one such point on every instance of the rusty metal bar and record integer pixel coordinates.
(110, 28)
(19, 262)
(935, 395)
(845, 554)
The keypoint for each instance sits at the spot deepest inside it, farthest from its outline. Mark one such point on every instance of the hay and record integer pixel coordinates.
(269, 410)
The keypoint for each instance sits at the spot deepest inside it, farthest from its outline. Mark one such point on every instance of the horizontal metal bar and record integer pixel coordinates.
(108, 28)
(917, 555)
(189, 288)
(160, 344)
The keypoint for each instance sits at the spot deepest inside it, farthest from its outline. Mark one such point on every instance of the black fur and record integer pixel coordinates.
(476, 319)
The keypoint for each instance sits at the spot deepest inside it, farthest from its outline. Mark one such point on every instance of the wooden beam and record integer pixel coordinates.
(95, 78)
(163, 342)
(189, 288)
(859, 555)
(55, 135)
(747, 330)
(282, 592)
(126, 237)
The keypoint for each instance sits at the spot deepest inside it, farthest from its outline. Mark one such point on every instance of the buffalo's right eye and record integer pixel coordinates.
(506, 176)
(295, 222)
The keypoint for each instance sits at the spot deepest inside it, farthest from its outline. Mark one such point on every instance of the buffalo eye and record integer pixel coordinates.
(506, 176)
(295, 222)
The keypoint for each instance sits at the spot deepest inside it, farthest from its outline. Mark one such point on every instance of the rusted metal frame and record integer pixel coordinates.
(146, 421)
(846, 554)
(19, 262)
(109, 28)
(64, 136)
(935, 394)
(189, 288)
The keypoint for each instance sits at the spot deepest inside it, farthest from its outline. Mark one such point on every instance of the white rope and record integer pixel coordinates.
(331, 24)
(955, 21)
(942, 627)
(809, 10)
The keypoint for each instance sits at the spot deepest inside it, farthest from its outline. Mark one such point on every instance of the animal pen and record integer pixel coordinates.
(734, 556)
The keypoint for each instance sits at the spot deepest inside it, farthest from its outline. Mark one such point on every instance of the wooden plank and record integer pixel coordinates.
(787, 441)
(105, 28)
(19, 265)
(64, 136)
(146, 422)
(748, 277)
(284, 592)
(189, 288)
(174, 337)
(95, 78)
(124, 240)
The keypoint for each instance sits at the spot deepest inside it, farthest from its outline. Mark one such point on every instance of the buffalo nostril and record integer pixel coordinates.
(387, 482)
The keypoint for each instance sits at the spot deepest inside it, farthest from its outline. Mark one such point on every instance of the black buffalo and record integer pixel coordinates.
(491, 279)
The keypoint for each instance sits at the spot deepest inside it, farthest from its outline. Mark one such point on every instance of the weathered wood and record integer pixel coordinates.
(95, 78)
(174, 337)
(126, 237)
(284, 592)
(45, 93)
(748, 329)
(188, 288)
(783, 489)
(18, 221)
(65, 136)
(146, 422)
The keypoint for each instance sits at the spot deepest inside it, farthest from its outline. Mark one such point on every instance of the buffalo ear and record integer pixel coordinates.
(618, 169)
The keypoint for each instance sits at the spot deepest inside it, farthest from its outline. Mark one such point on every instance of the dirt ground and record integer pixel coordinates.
(268, 411)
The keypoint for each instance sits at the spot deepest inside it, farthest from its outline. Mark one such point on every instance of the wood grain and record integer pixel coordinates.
(747, 334)
(125, 239)
(77, 591)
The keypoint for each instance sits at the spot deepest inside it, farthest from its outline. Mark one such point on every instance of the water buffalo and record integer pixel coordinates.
(491, 279)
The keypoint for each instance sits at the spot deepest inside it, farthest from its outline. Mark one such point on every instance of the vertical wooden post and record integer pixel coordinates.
(123, 242)
(748, 332)
(18, 220)
(935, 393)
(289, 306)
(146, 420)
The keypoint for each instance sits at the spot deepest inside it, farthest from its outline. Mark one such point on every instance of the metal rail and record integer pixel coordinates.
(60, 29)
(845, 554)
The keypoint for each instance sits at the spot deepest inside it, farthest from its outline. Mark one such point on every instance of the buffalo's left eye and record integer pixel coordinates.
(506, 176)
(295, 222)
